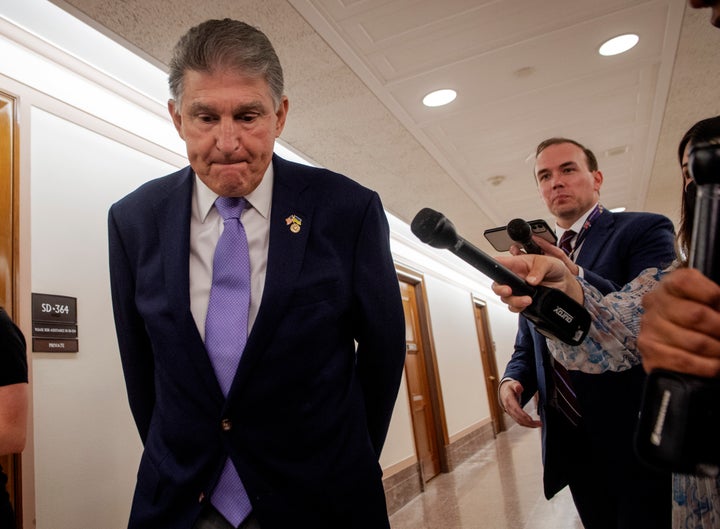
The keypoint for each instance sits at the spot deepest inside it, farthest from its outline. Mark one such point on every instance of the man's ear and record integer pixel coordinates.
(175, 116)
(281, 114)
(597, 180)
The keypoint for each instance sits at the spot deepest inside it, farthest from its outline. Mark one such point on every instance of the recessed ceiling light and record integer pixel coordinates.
(439, 98)
(616, 151)
(619, 44)
(496, 180)
(525, 71)
(618, 209)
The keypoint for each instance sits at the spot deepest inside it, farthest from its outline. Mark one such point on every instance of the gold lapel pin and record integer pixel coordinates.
(294, 222)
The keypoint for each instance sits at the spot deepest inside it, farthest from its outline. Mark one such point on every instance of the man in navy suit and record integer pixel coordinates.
(610, 487)
(306, 415)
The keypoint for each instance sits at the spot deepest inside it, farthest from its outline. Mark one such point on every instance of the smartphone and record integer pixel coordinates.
(502, 242)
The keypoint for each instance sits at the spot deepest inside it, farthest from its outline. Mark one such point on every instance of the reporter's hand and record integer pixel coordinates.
(553, 251)
(510, 392)
(548, 249)
(680, 330)
(536, 269)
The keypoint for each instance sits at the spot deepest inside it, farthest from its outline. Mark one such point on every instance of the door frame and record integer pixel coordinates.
(439, 426)
(489, 363)
(9, 249)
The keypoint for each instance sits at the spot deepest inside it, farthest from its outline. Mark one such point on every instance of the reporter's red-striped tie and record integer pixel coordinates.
(563, 397)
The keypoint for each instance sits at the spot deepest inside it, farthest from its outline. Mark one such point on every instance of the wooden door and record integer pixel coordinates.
(487, 355)
(8, 233)
(416, 372)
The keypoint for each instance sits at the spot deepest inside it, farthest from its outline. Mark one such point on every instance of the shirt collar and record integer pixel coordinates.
(577, 226)
(260, 198)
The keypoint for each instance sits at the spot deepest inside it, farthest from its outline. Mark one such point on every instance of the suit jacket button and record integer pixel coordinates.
(226, 425)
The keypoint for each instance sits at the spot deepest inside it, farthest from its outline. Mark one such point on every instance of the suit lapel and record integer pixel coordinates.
(173, 219)
(595, 240)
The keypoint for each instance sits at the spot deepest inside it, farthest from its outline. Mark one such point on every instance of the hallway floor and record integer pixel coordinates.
(499, 487)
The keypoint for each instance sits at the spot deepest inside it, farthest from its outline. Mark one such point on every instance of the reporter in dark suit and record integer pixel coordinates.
(303, 420)
(609, 486)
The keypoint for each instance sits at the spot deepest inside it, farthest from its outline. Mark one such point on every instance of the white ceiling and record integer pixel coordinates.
(524, 70)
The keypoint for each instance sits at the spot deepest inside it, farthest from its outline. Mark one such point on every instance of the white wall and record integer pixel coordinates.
(399, 447)
(458, 355)
(86, 445)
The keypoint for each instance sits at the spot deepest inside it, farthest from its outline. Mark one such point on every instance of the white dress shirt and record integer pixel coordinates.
(576, 227)
(206, 225)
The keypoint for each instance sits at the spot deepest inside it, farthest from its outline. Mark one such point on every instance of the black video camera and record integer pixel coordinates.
(679, 426)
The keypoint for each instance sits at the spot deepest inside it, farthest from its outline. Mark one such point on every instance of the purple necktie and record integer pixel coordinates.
(566, 241)
(226, 328)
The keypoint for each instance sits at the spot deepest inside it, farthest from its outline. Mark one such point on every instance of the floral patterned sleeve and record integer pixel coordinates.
(611, 342)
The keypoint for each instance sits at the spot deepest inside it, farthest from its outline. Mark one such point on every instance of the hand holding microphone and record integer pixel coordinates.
(522, 232)
(553, 312)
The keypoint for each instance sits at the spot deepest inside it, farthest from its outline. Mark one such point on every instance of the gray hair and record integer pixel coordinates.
(226, 43)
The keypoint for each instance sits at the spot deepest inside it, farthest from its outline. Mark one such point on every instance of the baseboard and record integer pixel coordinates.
(461, 448)
(402, 486)
(405, 482)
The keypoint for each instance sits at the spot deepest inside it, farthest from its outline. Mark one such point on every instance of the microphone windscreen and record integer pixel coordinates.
(425, 223)
(434, 228)
(519, 230)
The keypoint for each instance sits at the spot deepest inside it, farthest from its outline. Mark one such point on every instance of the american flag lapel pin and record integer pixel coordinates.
(294, 222)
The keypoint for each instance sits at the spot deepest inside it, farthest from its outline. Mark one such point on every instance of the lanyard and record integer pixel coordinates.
(585, 227)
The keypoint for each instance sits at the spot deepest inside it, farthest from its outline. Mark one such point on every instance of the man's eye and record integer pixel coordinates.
(205, 118)
(248, 118)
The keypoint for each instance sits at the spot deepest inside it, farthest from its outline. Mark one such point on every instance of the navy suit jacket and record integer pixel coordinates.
(617, 248)
(307, 414)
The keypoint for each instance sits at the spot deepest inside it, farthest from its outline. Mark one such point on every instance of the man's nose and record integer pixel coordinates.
(556, 180)
(228, 136)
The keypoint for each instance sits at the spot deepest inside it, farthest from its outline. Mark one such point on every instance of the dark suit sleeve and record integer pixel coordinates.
(135, 349)
(379, 322)
(521, 366)
(651, 245)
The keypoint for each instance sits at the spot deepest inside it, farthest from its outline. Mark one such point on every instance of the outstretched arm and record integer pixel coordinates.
(511, 400)
(611, 342)
(13, 387)
(13, 418)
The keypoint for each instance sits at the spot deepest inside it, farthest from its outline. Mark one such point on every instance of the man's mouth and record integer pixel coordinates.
(228, 162)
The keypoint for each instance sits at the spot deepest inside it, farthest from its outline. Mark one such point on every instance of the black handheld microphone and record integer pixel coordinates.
(554, 313)
(519, 231)
(679, 426)
(704, 166)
